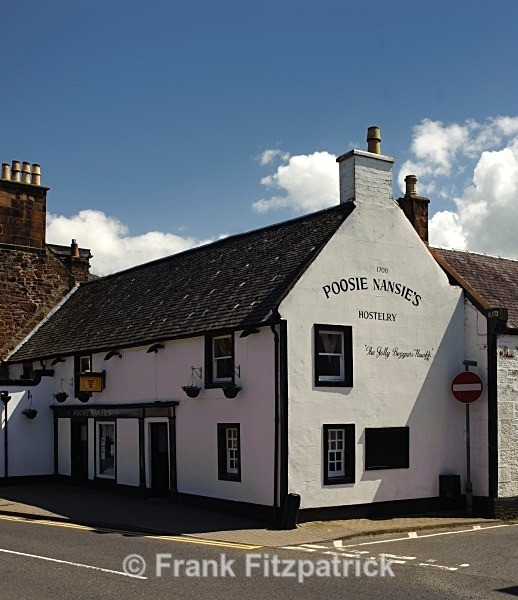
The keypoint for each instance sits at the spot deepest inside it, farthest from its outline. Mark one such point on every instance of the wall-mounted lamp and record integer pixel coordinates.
(155, 348)
(113, 353)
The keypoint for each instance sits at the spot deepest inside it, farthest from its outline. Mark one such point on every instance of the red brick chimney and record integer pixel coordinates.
(23, 204)
(415, 208)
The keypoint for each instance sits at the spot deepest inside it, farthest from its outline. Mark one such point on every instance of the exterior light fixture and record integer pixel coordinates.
(113, 353)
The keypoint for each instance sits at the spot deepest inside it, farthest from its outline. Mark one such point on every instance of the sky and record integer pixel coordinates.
(163, 124)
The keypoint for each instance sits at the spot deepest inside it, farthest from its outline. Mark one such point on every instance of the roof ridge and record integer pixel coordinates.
(483, 255)
(338, 208)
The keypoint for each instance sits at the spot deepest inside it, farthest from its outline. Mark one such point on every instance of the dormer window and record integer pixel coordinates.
(82, 364)
(85, 363)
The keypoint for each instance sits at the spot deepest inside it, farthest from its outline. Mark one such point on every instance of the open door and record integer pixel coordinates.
(159, 441)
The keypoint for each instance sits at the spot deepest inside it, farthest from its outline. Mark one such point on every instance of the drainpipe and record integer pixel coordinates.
(4, 397)
(496, 322)
(276, 421)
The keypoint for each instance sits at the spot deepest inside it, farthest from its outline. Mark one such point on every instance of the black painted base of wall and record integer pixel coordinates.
(243, 509)
(5, 481)
(500, 508)
(395, 508)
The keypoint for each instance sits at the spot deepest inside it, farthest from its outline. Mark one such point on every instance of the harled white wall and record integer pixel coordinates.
(127, 452)
(387, 391)
(64, 447)
(31, 441)
(142, 377)
(476, 349)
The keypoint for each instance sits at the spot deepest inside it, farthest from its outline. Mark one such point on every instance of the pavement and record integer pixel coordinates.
(108, 510)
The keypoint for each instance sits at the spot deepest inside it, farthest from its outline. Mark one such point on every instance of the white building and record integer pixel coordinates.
(343, 330)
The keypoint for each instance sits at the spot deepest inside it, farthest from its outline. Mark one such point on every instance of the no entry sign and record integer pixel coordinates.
(467, 387)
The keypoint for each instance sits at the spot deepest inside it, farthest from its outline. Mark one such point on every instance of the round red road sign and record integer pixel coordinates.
(467, 387)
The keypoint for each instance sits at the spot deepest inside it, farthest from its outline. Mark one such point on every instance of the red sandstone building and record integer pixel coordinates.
(34, 275)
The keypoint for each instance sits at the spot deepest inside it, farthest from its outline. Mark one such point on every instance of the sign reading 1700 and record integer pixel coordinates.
(356, 284)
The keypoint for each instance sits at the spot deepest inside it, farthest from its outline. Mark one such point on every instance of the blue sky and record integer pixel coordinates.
(157, 113)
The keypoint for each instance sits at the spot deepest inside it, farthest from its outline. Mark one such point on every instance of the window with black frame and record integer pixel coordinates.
(229, 452)
(339, 454)
(333, 361)
(219, 360)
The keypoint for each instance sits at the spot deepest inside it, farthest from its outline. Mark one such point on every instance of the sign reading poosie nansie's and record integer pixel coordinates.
(357, 284)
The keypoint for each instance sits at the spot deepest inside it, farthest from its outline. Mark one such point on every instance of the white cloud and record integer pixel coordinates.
(440, 149)
(270, 155)
(304, 182)
(485, 154)
(108, 238)
(446, 231)
(488, 209)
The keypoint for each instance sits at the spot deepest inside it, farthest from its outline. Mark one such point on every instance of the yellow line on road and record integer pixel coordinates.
(166, 538)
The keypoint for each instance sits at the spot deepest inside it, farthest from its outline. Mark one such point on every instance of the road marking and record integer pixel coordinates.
(419, 537)
(73, 564)
(202, 541)
(316, 546)
(443, 567)
(185, 539)
(402, 557)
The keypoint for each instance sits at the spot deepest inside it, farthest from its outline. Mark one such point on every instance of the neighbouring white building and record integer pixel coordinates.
(338, 334)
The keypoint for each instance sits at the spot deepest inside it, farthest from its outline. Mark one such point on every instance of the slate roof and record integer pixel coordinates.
(229, 284)
(495, 280)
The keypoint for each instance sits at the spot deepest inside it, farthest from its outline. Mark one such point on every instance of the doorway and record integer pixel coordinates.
(159, 442)
(79, 447)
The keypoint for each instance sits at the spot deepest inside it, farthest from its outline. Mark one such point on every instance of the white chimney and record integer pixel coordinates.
(366, 176)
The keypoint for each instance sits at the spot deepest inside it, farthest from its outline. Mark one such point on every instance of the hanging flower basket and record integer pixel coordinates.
(231, 390)
(84, 396)
(60, 396)
(191, 390)
(30, 413)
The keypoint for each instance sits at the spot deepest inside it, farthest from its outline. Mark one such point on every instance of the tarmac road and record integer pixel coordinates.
(50, 560)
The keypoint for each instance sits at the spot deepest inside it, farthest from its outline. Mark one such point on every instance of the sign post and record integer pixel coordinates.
(467, 387)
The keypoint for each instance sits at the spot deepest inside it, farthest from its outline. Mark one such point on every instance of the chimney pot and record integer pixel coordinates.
(373, 140)
(15, 171)
(411, 183)
(26, 172)
(6, 171)
(36, 174)
(74, 249)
